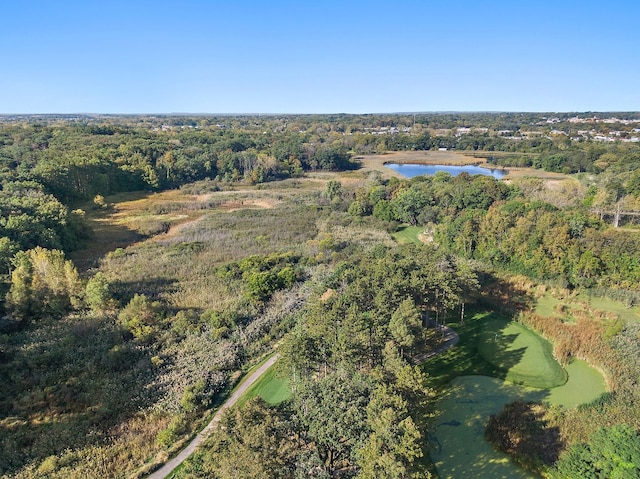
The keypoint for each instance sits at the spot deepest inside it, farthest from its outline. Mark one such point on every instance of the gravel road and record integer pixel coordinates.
(168, 468)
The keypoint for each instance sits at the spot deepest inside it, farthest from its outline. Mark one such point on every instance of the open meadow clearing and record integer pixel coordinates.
(408, 234)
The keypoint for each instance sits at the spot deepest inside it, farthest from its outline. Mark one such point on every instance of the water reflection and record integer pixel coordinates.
(410, 170)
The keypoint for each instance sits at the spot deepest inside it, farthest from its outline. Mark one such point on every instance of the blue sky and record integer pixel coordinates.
(205, 56)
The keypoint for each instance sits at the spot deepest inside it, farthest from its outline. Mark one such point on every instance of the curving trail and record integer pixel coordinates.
(170, 465)
(450, 339)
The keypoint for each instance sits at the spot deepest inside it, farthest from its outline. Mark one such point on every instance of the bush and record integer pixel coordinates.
(186, 322)
(521, 431)
(612, 453)
(97, 292)
(100, 202)
(194, 397)
(49, 465)
(43, 283)
(176, 428)
(140, 317)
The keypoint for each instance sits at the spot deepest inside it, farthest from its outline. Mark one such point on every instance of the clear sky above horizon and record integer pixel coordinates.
(206, 56)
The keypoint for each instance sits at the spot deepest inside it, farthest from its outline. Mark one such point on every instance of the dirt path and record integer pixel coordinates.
(449, 339)
(168, 468)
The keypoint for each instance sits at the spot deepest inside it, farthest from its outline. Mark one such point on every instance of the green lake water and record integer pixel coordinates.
(458, 447)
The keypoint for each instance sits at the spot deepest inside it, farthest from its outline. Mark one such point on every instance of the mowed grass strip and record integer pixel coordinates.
(408, 234)
(492, 345)
(456, 440)
(546, 306)
(626, 313)
(457, 444)
(585, 385)
(524, 356)
(463, 359)
(269, 387)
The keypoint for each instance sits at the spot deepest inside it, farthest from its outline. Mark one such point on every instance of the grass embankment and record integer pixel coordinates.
(629, 314)
(567, 308)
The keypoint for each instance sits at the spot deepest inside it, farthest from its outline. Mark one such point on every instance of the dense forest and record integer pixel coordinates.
(482, 218)
(147, 262)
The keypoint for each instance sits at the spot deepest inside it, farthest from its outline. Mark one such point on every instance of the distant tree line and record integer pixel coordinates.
(482, 218)
(76, 162)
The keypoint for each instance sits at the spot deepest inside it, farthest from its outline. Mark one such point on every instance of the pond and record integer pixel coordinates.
(410, 170)
(457, 444)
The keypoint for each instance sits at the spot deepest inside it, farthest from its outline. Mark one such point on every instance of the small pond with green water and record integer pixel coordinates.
(457, 444)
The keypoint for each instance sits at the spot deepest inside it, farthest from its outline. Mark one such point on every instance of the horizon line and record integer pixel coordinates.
(417, 112)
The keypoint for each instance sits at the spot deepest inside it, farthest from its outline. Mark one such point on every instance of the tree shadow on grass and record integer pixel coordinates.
(458, 446)
(471, 389)
(104, 239)
(496, 347)
(507, 297)
(521, 431)
(152, 287)
(464, 359)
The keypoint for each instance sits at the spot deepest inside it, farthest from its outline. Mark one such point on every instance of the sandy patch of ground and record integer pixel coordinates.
(177, 228)
(425, 238)
(203, 197)
(235, 205)
(329, 293)
(228, 206)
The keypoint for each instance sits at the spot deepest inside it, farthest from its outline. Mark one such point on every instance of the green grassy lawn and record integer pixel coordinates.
(524, 356)
(631, 315)
(269, 387)
(546, 306)
(584, 385)
(408, 234)
(492, 345)
(457, 445)
(470, 383)
(464, 359)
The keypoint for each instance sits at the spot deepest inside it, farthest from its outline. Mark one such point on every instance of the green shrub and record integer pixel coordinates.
(176, 428)
(49, 465)
(194, 397)
(612, 453)
(97, 292)
(140, 317)
(43, 283)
